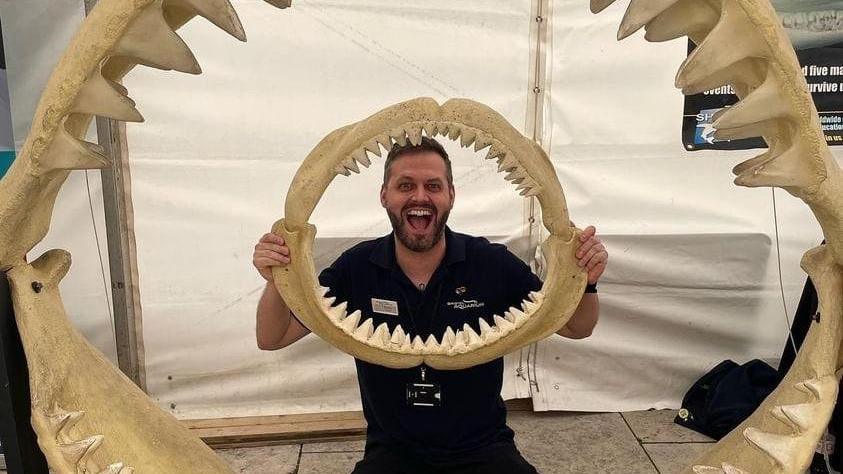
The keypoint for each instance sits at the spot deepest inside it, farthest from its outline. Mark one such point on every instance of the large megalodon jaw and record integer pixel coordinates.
(87, 416)
(526, 164)
(742, 43)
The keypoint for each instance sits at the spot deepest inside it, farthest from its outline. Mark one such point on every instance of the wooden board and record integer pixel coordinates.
(293, 429)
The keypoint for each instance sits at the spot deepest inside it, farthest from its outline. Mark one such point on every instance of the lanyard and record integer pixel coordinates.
(433, 312)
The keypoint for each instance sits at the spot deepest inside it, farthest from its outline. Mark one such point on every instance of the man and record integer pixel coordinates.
(426, 278)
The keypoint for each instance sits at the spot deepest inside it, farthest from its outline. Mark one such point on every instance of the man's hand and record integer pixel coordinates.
(592, 254)
(270, 251)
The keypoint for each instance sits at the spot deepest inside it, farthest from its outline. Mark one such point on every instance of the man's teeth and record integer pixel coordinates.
(452, 341)
(419, 212)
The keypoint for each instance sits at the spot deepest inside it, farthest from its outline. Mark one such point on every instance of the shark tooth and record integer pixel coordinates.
(100, 96)
(482, 141)
(397, 336)
(406, 346)
(496, 150)
(384, 141)
(530, 307)
(150, 41)
(349, 324)
(337, 313)
(351, 165)
(467, 138)
(365, 331)
(79, 451)
(64, 420)
(811, 387)
(518, 316)
(431, 346)
(719, 49)
(373, 147)
(328, 302)
(69, 153)
(776, 447)
(418, 345)
(116, 468)
(796, 416)
(764, 103)
(639, 13)
(471, 338)
(380, 337)
(220, 13)
(361, 157)
(454, 131)
(788, 169)
(502, 324)
(448, 338)
(414, 135)
(685, 18)
(598, 6)
(399, 136)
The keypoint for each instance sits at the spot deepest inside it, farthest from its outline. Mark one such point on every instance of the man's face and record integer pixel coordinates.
(418, 199)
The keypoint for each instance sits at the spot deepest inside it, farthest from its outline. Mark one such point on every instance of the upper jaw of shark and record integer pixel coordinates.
(741, 43)
(525, 164)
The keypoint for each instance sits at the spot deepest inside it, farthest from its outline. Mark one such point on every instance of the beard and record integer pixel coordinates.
(418, 243)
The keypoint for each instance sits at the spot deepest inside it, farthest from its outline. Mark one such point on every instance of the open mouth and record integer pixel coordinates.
(420, 219)
(523, 163)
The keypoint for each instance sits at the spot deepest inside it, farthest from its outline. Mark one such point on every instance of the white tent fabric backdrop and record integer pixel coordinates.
(693, 277)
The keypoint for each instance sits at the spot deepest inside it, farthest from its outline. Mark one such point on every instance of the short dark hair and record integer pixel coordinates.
(427, 144)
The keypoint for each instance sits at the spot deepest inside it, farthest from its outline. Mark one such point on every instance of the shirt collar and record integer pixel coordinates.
(383, 255)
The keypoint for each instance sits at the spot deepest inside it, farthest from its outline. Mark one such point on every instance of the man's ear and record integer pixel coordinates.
(453, 193)
(383, 195)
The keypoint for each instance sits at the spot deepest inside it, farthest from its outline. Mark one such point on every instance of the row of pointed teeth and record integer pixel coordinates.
(149, 40)
(820, 22)
(468, 136)
(451, 343)
(767, 107)
(79, 452)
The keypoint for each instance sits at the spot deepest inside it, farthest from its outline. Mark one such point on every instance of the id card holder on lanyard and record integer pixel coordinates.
(424, 393)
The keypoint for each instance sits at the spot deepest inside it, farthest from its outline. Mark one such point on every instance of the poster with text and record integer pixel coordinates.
(815, 28)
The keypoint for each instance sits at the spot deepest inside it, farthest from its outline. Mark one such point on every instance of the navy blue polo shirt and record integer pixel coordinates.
(475, 279)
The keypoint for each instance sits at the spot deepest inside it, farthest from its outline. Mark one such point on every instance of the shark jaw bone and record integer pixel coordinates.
(741, 43)
(525, 164)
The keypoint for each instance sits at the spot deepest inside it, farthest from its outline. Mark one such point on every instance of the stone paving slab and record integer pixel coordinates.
(562, 443)
(334, 447)
(328, 463)
(281, 459)
(671, 458)
(657, 426)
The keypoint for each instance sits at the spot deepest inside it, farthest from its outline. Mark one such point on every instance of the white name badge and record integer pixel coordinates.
(385, 306)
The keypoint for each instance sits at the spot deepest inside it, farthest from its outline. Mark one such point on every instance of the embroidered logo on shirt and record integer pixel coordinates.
(460, 290)
(465, 304)
(385, 306)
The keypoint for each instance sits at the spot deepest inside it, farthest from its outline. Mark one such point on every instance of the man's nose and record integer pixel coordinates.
(420, 194)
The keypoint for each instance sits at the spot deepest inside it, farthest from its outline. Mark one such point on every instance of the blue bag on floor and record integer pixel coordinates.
(725, 396)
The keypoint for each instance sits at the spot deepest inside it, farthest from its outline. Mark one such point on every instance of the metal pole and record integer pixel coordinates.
(117, 203)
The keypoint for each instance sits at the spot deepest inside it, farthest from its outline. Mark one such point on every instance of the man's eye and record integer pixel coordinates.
(404, 186)
(434, 187)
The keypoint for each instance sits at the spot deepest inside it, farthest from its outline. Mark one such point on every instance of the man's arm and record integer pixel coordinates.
(582, 323)
(275, 326)
(593, 257)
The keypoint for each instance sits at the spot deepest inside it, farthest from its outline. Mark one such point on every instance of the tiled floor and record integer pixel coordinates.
(646, 442)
